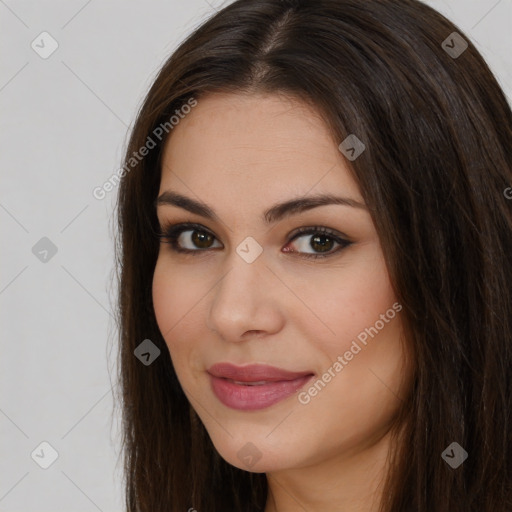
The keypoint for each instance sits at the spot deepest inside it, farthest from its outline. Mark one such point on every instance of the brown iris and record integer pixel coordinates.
(324, 243)
(201, 239)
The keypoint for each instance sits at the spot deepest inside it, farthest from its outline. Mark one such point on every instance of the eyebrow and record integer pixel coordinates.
(273, 214)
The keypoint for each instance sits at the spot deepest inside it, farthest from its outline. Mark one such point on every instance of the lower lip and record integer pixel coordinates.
(250, 398)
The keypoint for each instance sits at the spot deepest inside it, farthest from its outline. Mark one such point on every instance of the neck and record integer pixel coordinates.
(346, 483)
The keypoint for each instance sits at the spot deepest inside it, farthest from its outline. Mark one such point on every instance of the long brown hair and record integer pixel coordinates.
(438, 158)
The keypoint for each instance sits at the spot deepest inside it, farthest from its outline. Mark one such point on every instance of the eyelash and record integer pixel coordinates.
(169, 233)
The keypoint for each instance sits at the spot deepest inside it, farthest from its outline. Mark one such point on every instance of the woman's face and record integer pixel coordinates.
(250, 291)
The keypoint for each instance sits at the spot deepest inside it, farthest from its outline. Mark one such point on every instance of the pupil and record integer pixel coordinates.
(324, 246)
(201, 239)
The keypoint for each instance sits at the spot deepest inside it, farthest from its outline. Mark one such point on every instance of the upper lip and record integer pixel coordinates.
(254, 372)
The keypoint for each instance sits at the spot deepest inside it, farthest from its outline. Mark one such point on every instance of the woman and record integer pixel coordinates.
(315, 301)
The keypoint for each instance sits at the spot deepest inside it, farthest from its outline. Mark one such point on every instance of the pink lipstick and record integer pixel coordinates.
(254, 386)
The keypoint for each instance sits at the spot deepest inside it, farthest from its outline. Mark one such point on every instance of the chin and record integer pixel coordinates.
(256, 452)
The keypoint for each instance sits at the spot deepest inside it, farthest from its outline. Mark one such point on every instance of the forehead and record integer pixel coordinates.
(265, 141)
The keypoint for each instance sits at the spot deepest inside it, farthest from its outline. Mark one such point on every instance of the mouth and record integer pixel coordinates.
(260, 383)
(254, 373)
(255, 386)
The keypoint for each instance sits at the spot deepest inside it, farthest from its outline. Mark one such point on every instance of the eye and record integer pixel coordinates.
(320, 240)
(187, 238)
(194, 238)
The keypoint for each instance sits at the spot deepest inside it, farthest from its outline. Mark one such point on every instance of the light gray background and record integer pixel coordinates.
(64, 122)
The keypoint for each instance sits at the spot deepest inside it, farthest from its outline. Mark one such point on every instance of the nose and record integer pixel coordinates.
(246, 301)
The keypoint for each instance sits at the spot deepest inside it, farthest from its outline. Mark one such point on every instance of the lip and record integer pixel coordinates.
(279, 384)
(254, 372)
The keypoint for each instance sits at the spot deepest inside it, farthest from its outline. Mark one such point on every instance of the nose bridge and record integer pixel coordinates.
(246, 263)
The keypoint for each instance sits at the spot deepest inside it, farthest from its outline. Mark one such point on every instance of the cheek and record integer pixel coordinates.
(164, 298)
(174, 297)
(175, 302)
(348, 301)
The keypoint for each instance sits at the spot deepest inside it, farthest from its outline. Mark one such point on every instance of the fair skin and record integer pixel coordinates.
(241, 154)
